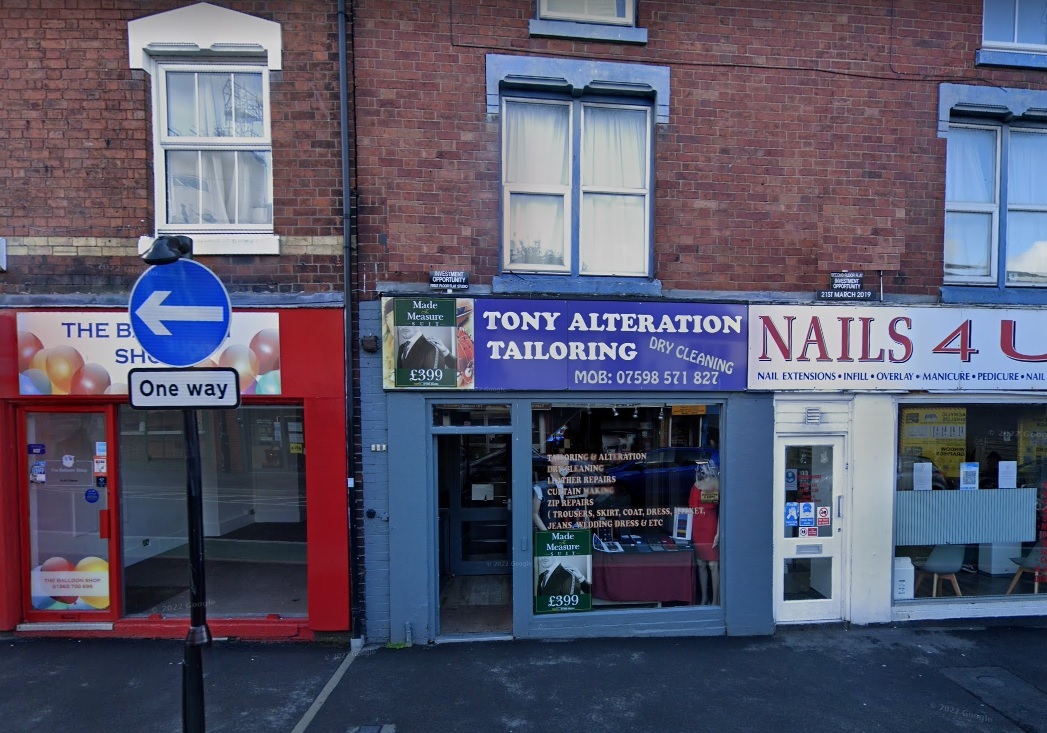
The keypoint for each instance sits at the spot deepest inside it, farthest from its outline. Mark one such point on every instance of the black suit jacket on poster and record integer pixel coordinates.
(560, 582)
(423, 354)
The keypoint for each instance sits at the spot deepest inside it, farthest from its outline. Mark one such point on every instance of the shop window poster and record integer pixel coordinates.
(969, 476)
(58, 584)
(563, 571)
(937, 435)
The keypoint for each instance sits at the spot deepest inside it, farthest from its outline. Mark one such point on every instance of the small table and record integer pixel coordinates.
(645, 576)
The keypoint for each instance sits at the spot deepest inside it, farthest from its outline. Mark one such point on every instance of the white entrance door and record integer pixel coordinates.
(810, 513)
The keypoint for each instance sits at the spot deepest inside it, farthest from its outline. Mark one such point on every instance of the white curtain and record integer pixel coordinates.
(1027, 230)
(614, 179)
(968, 239)
(970, 166)
(1027, 169)
(254, 204)
(537, 143)
(588, 8)
(970, 178)
(218, 169)
(216, 186)
(537, 176)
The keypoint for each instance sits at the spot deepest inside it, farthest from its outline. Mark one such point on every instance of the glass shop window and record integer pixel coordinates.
(253, 473)
(625, 505)
(971, 489)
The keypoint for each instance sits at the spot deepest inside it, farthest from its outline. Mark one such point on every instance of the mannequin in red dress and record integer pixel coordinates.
(705, 531)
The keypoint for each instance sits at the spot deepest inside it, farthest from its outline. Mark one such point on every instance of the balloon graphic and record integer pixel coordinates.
(28, 345)
(90, 379)
(62, 363)
(92, 564)
(243, 360)
(61, 565)
(40, 602)
(266, 344)
(268, 383)
(34, 381)
(39, 361)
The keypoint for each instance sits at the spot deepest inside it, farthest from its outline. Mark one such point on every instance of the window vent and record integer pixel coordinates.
(812, 416)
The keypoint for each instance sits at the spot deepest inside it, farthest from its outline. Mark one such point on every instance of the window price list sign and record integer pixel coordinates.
(563, 571)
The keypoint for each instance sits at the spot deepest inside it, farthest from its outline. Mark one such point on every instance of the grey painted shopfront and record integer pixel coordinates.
(459, 482)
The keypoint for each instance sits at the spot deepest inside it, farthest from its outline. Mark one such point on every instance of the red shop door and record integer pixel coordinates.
(70, 547)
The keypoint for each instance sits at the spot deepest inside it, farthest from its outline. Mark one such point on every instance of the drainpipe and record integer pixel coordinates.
(348, 227)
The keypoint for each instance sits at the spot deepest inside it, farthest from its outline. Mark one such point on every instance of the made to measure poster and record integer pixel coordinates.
(563, 571)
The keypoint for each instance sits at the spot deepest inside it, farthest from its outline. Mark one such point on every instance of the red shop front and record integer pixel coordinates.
(93, 532)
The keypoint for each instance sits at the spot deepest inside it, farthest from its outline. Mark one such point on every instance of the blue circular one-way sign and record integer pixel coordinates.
(179, 312)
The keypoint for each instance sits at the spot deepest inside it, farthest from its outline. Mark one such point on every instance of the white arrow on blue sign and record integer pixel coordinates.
(180, 312)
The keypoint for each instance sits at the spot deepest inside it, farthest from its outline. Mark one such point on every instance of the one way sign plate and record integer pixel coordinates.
(174, 389)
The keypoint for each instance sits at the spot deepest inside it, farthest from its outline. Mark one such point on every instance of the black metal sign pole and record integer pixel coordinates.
(199, 635)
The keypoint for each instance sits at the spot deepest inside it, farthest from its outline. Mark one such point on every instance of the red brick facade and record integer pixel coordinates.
(801, 139)
(76, 150)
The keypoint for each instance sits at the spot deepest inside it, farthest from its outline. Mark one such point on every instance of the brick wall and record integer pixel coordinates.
(76, 149)
(802, 136)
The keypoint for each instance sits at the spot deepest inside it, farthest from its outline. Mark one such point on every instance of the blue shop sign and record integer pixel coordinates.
(514, 344)
(610, 345)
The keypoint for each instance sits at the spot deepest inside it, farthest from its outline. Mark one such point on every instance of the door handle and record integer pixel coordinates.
(103, 524)
(839, 507)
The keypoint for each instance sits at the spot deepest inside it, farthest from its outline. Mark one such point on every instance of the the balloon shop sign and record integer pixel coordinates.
(496, 344)
(90, 353)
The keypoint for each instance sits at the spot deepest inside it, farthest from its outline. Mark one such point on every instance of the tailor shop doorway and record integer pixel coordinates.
(473, 485)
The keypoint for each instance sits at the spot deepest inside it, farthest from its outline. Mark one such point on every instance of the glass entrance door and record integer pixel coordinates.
(70, 537)
(473, 483)
(809, 521)
(474, 472)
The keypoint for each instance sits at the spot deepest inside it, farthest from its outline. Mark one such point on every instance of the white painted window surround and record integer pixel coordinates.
(204, 35)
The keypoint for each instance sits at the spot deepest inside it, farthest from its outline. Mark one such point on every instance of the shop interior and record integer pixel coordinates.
(253, 474)
(640, 479)
(969, 507)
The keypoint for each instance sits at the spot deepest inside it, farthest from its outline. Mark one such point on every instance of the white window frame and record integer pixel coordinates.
(644, 193)
(203, 33)
(574, 191)
(1012, 45)
(1000, 210)
(1022, 208)
(966, 207)
(565, 191)
(165, 143)
(582, 16)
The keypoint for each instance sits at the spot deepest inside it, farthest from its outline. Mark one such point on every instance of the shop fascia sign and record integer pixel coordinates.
(494, 343)
(93, 352)
(875, 348)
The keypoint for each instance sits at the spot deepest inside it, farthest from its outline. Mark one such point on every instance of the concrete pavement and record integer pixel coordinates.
(911, 679)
